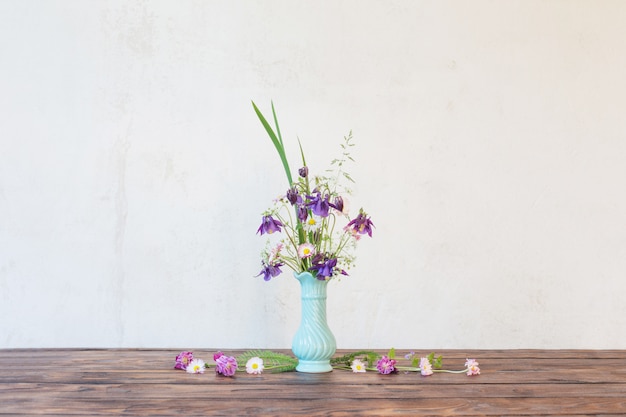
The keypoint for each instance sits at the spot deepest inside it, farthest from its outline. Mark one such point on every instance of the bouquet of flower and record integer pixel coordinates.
(310, 214)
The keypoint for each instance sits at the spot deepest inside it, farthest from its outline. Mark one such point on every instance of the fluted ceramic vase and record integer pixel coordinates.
(314, 343)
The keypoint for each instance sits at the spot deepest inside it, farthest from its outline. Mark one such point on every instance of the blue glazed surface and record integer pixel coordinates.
(314, 343)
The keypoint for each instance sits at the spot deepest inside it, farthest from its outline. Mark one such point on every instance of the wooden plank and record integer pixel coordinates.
(139, 382)
(488, 376)
(24, 392)
(328, 407)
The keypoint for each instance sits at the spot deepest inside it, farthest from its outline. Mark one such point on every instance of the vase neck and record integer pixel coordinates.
(312, 288)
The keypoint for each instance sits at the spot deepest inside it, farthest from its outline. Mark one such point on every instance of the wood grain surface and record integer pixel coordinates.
(142, 382)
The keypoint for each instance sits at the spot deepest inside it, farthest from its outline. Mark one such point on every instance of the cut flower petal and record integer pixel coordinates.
(254, 365)
(196, 366)
(472, 367)
(357, 366)
(183, 359)
(306, 250)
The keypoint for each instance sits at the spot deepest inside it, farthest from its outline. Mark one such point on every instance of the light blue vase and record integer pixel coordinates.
(313, 343)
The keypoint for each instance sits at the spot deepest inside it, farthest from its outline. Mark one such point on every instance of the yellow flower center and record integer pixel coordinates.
(255, 366)
(311, 221)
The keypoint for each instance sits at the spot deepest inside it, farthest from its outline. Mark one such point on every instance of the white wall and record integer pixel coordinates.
(490, 149)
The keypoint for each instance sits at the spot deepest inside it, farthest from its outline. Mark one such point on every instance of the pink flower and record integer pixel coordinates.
(385, 365)
(183, 359)
(226, 365)
(306, 250)
(426, 368)
(275, 253)
(472, 367)
(217, 356)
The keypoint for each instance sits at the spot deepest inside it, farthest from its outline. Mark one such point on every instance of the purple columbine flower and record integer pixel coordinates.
(293, 196)
(361, 224)
(323, 265)
(303, 213)
(303, 172)
(338, 204)
(319, 205)
(183, 359)
(271, 270)
(226, 365)
(385, 365)
(269, 225)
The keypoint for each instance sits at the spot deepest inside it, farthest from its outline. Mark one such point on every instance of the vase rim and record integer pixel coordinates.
(298, 275)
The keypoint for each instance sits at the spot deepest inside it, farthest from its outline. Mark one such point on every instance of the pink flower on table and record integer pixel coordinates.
(226, 365)
(426, 368)
(183, 359)
(472, 367)
(386, 365)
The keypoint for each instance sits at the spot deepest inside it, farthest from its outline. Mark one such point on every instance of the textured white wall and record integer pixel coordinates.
(491, 155)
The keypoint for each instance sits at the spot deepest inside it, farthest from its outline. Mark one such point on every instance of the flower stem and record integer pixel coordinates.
(451, 372)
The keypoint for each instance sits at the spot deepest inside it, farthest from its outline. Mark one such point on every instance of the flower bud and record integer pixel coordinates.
(292, 195)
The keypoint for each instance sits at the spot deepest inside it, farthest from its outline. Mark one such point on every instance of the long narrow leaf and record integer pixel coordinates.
(275, 140)
(301, 153)
(280, 137)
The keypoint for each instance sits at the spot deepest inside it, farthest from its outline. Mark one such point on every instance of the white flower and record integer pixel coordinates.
(254, 365)
(196, 366)
(312, 223)
(357, 366)
(306, 250)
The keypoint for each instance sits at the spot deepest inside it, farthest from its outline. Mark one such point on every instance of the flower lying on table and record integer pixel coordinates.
(196, 366)
(362, 361)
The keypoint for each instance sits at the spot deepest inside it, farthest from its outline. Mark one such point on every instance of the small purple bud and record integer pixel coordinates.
(303, 213)
(292, 196)
(338, 204)
(304, 172)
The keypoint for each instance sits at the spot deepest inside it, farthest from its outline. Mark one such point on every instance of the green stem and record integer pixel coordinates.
(451, 372)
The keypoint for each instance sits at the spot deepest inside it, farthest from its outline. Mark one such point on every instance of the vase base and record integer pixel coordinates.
(314, 367)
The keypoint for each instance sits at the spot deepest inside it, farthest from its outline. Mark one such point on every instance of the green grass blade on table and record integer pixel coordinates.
(274, 362)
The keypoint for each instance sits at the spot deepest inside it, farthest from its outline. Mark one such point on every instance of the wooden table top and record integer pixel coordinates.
(142, 382)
